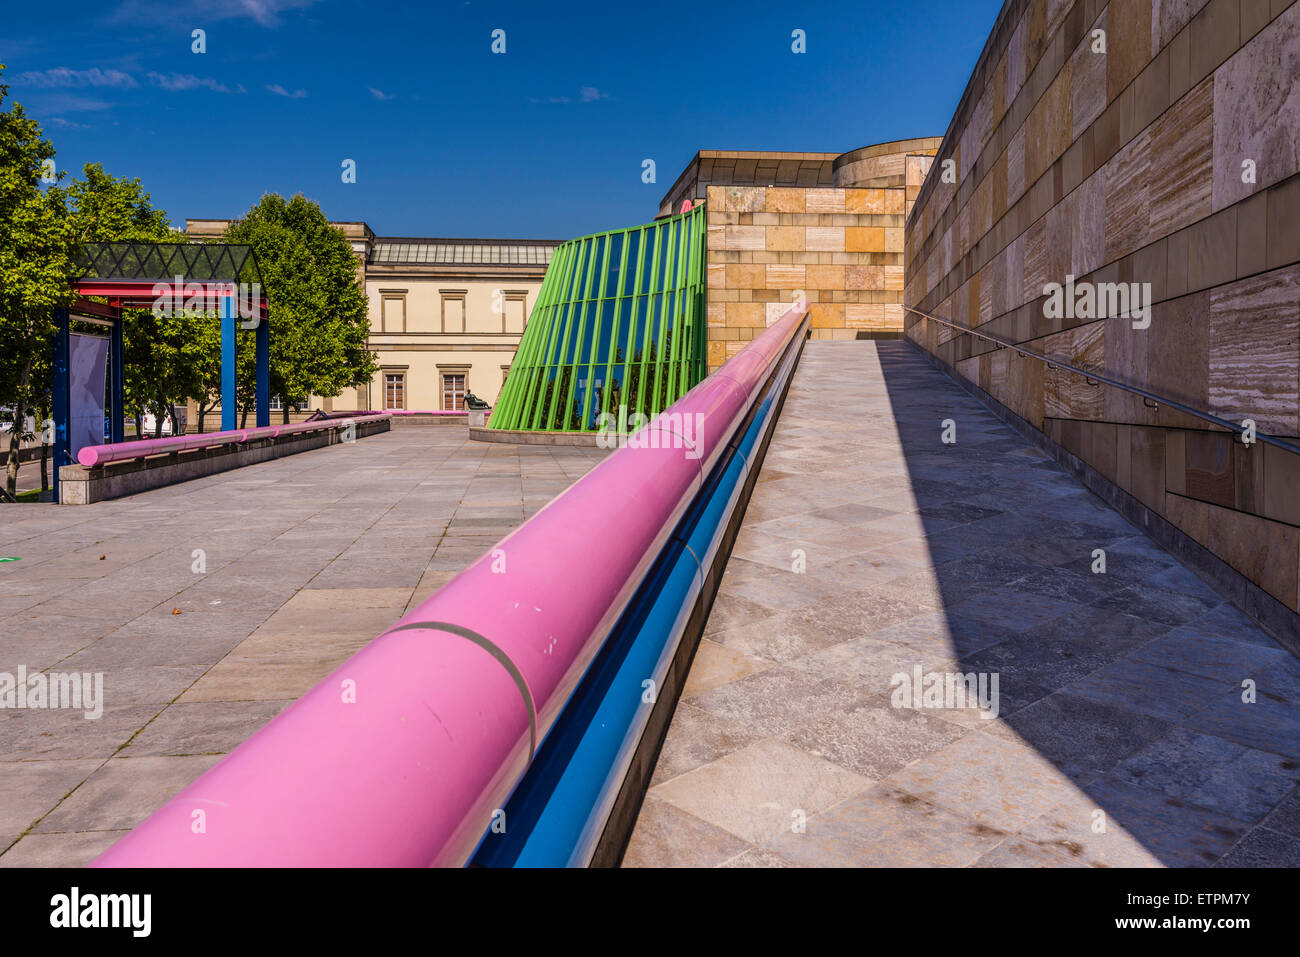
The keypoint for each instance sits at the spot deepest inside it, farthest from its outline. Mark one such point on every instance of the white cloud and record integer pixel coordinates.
(278, 90)
(264, 12)
(47, 103)
(589, 94)
(61, 77)
(178, 82)
(381, 95)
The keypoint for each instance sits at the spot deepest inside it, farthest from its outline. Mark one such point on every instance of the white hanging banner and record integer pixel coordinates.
(87, 369)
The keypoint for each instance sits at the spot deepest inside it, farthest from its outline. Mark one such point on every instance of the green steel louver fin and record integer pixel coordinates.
(618, 330)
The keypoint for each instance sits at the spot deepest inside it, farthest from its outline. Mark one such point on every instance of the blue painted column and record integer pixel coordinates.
(263, 370)
(117, 387)
(62, 399)
(229, 367)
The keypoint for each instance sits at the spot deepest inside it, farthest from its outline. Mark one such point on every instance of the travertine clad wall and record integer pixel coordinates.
(1127, 166)
(842, 247)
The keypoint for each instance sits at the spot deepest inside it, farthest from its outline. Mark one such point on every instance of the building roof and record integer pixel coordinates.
(492, 252)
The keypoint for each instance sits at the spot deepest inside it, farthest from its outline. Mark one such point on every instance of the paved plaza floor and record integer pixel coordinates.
(1121, 736)
(212, 605)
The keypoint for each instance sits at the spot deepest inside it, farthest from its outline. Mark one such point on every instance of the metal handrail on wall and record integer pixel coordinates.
(406, 753)
(1094, 378)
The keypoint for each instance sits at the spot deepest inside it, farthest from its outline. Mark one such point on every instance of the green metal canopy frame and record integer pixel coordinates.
(618, 330)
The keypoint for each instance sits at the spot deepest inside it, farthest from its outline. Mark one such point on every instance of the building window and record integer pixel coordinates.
(277, 404)
(515, 311)
(453, 391)
(393, 319)
(453, 309)
(394, 390)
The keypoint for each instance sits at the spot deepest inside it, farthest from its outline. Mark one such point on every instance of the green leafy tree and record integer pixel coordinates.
(37, 260)
(319, 322)
(164, 356)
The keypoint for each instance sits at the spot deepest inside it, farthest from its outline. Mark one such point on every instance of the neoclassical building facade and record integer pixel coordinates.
(446, 315)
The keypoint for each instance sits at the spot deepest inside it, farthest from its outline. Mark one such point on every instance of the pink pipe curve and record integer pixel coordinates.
(401, 756)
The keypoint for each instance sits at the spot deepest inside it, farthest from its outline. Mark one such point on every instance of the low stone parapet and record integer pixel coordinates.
(82, 484)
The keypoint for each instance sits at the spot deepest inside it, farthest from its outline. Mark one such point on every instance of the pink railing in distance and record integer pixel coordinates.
(402, 754)
(93, 455)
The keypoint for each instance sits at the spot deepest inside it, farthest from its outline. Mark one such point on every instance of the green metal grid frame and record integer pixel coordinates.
(618, 329)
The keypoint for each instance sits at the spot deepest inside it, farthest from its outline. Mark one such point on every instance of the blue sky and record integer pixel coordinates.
(449, 139)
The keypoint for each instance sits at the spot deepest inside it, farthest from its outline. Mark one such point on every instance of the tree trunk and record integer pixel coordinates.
(139, 425)
(45, 450)
(286, 413)
(15, 434)
(243, 417)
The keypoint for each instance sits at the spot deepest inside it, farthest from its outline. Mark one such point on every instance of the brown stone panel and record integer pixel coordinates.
(1127, 359)
(1016, 166)
(743, 199)
(1102, 441)
(1181, 164)
(1254, 350)
(1060, 224)
(1068, 395)
(825, 238)
(1128, 42)
(1265, 552)
(1178, 350)
(864, 239)
(827, 277)
(1147, 466)
(1248, 476)
(1215, 35)
(1189, 515)
(1282, 236)
(864, 277)
(1032, 386)
(1088, 226)
(1281, 499)
(744, 237)
(1256, 112)
(1049, 127)
(746, 314)
(745, 276)
(785, 238)
(1036, 261)
(826, 315)
(1176, 461)
(824, 200)
(1128, 179)
(781, 199)
(1210, 475)
(1088, 78)
(1169, 17)
(784, 277)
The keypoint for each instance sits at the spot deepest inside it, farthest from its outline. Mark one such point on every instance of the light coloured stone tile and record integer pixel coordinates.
(760, 791)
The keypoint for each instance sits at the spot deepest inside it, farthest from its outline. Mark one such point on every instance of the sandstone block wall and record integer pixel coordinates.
(1170, 159)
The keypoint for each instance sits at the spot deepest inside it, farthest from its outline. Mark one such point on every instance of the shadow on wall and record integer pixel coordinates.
(1129, 681)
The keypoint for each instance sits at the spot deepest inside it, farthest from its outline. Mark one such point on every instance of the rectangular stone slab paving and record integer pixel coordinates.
(871, 548)
(212, 605)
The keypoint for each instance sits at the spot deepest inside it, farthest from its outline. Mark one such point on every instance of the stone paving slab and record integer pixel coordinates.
(303, 560)
(1121, 738)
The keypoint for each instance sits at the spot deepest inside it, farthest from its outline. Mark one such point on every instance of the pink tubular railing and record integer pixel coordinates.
(93, 455)
(403, 753)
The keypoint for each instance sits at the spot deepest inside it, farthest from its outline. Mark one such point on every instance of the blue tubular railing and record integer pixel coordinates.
(558, 814)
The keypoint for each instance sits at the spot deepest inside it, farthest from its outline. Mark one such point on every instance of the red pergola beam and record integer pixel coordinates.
(136, 293)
